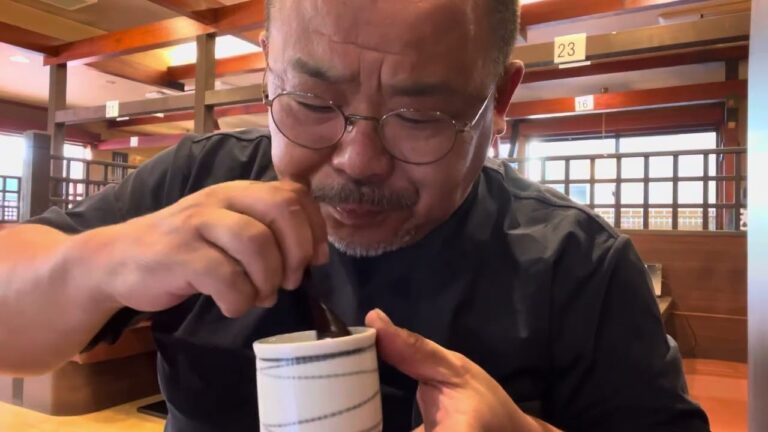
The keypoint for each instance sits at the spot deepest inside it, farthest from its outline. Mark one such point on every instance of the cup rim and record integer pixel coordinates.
(361, 337)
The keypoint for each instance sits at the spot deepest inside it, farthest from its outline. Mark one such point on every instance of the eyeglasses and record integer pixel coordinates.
(411, 136)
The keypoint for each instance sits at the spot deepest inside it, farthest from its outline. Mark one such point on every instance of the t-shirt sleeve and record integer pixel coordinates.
(614, 368)
(155, 184)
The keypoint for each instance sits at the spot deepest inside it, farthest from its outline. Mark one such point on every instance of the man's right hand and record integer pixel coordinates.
(238, 242)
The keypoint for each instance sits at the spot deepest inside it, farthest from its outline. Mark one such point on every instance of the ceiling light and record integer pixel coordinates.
(575, 64)
(18, 59)
(122, 118)
(70, 5)
(226, 46)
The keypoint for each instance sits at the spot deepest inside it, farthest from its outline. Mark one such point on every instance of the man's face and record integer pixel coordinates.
(373, 57)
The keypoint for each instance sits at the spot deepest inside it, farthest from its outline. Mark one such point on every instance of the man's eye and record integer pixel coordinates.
(322, 109)
(416, 118)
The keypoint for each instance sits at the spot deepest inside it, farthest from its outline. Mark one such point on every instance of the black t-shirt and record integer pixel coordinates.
(537, 290)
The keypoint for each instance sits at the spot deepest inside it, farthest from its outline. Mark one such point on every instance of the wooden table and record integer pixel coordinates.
(122, 418)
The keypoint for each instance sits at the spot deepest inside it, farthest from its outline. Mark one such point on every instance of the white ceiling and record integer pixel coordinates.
(28, 82)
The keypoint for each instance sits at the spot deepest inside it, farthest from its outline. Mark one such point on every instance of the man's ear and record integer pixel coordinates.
(264, 43)
(505, 88)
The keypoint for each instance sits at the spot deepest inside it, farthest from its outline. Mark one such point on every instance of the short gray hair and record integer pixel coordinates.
(504, 22)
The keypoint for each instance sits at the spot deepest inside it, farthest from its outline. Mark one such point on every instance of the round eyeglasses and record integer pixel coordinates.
(410, 136)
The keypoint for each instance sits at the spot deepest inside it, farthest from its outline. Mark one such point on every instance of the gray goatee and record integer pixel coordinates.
(352, 194)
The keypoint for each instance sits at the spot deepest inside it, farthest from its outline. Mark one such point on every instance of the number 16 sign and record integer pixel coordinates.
(571, 48)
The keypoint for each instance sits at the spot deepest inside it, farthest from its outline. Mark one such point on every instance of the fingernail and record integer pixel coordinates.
(267, 302)
(382, 316)
(291, 282)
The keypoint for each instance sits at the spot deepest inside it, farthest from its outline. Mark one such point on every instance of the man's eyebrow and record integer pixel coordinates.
(413, 89)
(318, 72)
(423, 89)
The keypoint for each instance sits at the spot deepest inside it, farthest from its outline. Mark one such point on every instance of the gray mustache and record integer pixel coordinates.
(350, 194)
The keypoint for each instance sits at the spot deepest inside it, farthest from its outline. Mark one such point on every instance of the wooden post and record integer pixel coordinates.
(36, 175)
(57, 100)
(205, 78)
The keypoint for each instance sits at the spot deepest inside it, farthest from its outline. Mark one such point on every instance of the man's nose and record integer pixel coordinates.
(361, 155)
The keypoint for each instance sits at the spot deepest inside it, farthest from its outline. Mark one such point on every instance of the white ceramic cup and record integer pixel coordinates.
(309, 385)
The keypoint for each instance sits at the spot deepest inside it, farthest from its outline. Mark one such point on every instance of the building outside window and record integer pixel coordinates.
(12, 153)
(631, 174)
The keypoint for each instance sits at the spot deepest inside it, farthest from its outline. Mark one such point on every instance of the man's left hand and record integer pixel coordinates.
(454, 393)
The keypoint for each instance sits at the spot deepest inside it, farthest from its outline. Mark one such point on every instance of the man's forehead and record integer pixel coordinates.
(386, 25)
(433, 34)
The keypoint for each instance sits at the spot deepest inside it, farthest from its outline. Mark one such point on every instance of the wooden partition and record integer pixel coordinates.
(705, 273)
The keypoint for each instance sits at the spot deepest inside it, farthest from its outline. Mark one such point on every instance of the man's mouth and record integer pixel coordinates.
(359, 214)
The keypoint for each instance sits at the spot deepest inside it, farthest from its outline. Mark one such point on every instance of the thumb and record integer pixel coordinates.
(414, 355)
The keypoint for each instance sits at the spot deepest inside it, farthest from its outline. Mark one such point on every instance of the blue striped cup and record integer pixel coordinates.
(309, 385)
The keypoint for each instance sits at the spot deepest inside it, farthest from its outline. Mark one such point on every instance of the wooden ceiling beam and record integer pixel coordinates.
(140, 142)
(674, 118)
(17, 117)
(139, 72)
(644, 48)
(235, 18)
(240, 17)
(160, 34)
(221, 112)
(660, 97)
(53, 31)
(648, 40)
(737, 51)
(119, 67)
(27, 39)
(254, 62)
(198, 10)
(548, 11)
(182, 102)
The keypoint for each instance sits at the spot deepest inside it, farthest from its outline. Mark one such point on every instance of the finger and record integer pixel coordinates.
(217, 274)
(282, 212)
(315, 218)
(414, 355)
(251, 244)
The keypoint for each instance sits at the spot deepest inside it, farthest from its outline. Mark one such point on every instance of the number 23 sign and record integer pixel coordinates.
(571, 48)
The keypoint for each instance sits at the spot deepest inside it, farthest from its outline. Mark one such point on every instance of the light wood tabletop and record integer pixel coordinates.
(122, 418)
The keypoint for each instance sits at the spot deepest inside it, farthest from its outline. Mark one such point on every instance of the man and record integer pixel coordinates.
(538, 315)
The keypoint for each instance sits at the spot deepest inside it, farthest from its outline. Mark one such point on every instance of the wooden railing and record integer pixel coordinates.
(10, 198)
(81, 178)
(631, 191)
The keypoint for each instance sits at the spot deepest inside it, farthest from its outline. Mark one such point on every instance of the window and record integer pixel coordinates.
(12, 151)
(11, 155)
(76, 151)
(669, 181)
(11, 166)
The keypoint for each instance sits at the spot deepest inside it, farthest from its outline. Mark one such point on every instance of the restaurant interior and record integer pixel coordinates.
(643, 110)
